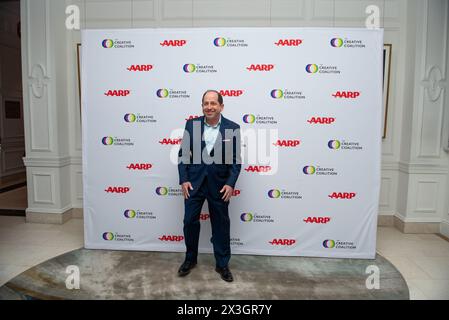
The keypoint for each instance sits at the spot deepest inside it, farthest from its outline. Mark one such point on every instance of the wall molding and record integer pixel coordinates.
(417, 220)
(49, 216)
(444, 228)
(35, 188)
(433, 83)
(415, 168)
(47, 162)
(421, 168)
(76, 160)
(406, 225)
(389, 166)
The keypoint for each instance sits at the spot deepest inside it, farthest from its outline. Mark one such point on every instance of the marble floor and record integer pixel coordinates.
(422, 259)
(14, 200)
(13, 195)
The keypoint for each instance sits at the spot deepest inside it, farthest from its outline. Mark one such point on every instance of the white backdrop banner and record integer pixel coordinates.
(309, 103)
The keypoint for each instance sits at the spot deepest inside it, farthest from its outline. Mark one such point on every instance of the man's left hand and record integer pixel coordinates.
(227, 192)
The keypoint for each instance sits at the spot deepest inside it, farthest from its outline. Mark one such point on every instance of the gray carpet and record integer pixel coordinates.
(152, 275)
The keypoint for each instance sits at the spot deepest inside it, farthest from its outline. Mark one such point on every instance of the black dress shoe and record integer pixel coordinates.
(225, 274)
(185, 268)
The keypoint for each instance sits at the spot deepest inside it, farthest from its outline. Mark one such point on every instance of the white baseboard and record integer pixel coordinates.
(444, 228)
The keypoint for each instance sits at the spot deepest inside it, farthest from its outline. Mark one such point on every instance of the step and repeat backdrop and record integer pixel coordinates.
(309, 103)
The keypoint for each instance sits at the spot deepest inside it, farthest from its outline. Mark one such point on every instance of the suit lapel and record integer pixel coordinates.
(203, 143)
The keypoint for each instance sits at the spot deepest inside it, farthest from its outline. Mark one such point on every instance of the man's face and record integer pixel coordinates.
(211, 107)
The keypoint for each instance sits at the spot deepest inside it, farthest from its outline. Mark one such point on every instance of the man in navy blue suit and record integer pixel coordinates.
(209, 165)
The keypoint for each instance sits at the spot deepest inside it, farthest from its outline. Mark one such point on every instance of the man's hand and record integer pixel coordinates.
(185, 189)
(227, 192)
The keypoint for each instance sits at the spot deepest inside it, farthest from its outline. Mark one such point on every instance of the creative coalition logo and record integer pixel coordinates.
(282, 242)
(109, 236)
(114, 141)
(139, 166)
(117, 44)
(331, 244)
(342, 195)
(321, 120)
(172, 94)
(287, 143)
(288, 42)
(317, 220)
(346, 94)
(344, 145)
(236, 242)
(283, 194)
(198, 68)
(169, 192)
(346, 43)
(253, 217)
(287, 94)
(319, 171)
(173, 43)
(117, 93)
(229, 42)
(260, 67)
(258, 119)
(231, 93)
(138, 214)
(139, 118)
(323, 69)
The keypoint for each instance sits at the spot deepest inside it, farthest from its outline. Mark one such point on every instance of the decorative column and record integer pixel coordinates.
(424, 165)
(44, 74)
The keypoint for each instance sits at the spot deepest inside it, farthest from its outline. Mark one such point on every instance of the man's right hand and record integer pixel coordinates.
(185, 189)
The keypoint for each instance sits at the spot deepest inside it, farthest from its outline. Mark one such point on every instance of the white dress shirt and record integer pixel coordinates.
(210, 134)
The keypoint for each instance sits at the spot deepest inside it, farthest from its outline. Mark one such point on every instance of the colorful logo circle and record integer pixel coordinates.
(334, 144)
(336, 42)
(329, 243)
(249, 118)
(162, 93)
(309, 170)
(108, 236)
(130, 117)
(161, 191)
(130, 214)
(311, 68)
(107, 43)
(246, 217)
(189, 68)
(274, 193)
(277, 94)
(219, 42)
(107, 141)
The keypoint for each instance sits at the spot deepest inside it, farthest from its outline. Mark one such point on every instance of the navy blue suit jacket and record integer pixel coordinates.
(223, 164)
